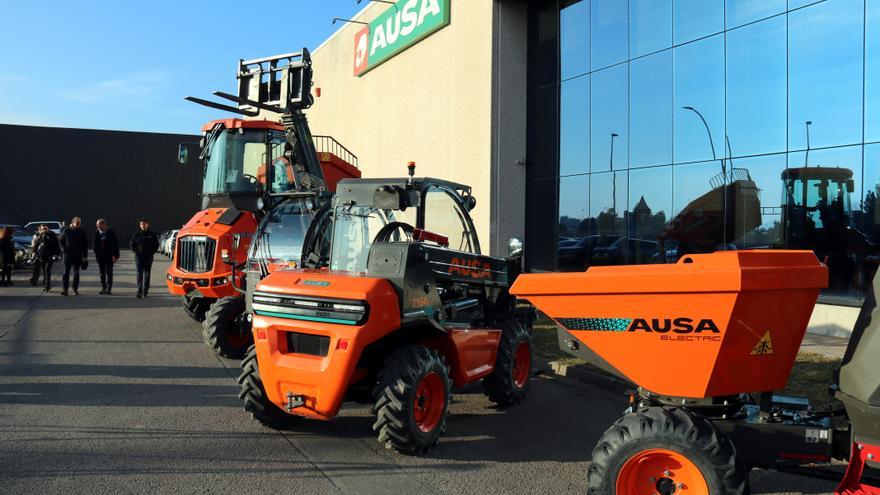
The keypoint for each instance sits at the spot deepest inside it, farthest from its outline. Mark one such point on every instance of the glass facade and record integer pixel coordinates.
(688, 126)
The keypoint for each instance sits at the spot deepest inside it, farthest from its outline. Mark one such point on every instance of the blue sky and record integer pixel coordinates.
(127, 65)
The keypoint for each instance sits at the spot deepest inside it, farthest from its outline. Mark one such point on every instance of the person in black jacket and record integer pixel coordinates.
(75, 246)
(144, 243)
(106, 248)
(7, 255)
(46, 250)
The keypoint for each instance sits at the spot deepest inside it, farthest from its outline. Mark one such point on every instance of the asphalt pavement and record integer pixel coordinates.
(113, 394)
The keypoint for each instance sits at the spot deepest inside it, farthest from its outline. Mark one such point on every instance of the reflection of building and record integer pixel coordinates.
(597, 128)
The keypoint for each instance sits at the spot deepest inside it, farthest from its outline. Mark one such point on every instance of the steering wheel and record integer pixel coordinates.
(386, 232)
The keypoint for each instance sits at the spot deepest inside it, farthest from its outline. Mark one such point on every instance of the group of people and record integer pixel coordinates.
(72, 247)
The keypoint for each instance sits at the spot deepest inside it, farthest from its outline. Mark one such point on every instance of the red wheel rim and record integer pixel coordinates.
(660, 471)
(429, 402)
(522, 364)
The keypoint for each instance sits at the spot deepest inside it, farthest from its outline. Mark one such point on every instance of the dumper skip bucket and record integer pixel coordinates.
(710, 325)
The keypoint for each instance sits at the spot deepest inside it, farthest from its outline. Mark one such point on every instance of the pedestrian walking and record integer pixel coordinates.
(46, 250)
(144, 243)
(75, 246)
(106, 247)
(7, 255)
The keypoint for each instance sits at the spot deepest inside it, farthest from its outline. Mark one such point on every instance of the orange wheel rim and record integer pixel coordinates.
(522, 364)
(429, 402)
(662, 472)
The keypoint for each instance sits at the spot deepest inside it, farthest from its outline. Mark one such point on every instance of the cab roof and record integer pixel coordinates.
(234, 123)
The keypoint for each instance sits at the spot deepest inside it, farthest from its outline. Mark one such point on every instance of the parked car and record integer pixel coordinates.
(52, 224)
(162, 238)
(625, 251)
(169, 243)
(579, 255)
(22, 253)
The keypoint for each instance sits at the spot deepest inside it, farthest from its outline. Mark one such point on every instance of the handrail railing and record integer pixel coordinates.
(327, 144)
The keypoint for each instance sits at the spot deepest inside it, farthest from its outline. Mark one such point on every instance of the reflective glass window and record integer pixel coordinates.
(698, 203)
(868, 207)
(609, 119)
(820, 208)
(872, 72)
(825, 74)
(651, 110)
(699, 100)
(574, 126)
(649, 209)
(608, 200)
(608, 26)
(756, 88)
(574, 39)
(697, 18)
(650, 26)
(574, 223)
(754, 205)
(741, 12)
(796, 4)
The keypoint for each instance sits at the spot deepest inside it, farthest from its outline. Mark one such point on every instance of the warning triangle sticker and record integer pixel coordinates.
(764, 346)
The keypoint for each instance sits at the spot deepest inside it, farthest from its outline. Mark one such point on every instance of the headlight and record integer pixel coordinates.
(310, 309)
(220, 281)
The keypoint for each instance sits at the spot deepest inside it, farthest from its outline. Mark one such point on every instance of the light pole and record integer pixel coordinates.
(807, 155)
(711, 143)
(613, 176)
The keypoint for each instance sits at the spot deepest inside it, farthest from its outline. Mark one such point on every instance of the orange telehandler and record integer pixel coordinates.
(255, 171)
(408, 308)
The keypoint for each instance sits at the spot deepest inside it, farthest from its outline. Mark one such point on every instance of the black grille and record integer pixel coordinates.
(195, 254)
(303, 343)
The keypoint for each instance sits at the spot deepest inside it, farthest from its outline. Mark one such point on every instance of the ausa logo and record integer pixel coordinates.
(688, 329)
(396, 29)
(470, 268)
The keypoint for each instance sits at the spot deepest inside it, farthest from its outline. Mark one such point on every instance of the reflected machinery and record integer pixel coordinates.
(262, 178)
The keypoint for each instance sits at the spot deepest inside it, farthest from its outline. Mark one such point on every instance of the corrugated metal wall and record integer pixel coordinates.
(49, 173)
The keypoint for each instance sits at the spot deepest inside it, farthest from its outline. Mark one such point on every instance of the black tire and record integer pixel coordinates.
(674, 430)
(396, 399)
(254, 395)
(196, 307)
(222, 329)
(502, 386)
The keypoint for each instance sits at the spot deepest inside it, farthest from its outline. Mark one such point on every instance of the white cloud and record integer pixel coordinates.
(128, 90)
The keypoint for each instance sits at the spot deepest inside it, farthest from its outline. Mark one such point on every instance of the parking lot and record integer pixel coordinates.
(113, 394)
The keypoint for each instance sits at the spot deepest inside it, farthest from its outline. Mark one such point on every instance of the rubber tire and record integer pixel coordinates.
(394, 398)
(672, 429)
(500, 386)
(218, 321)
(197, 309)
(254, 395)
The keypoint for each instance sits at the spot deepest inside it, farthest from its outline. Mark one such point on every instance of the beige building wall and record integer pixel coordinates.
(431, 104)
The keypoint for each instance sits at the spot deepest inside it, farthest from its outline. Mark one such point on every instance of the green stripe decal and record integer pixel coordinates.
(306, 318)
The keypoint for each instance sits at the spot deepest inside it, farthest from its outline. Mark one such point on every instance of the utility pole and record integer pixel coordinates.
(807, 155)
(613, 176)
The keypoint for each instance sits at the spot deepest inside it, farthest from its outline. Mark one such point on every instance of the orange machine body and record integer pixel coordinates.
(324, 380)
(216, 282)
(710, 325)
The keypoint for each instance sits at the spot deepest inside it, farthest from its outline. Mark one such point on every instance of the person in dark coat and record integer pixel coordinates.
(75, 246)
(106, 248)
(144, 243)
(46, 250)
(7, 255)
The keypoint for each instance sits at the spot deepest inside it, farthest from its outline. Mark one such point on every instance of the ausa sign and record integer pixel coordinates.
(396, 29)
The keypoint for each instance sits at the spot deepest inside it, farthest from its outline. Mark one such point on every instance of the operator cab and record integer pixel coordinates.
(236, 154)
(429, 210)
(816, 202)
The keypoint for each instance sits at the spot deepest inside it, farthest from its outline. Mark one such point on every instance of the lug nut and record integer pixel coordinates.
(652, 480)
(667, 474)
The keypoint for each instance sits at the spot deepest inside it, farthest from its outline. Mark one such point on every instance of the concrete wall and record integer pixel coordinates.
(431, 104)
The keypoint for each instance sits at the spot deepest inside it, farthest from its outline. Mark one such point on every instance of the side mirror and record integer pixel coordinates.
(514, 247)
(470, 203)
(850, 186)
(182, 154)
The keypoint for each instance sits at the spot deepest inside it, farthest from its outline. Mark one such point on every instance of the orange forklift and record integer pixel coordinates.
(407, 308)
(706, 341)
(252, 168)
